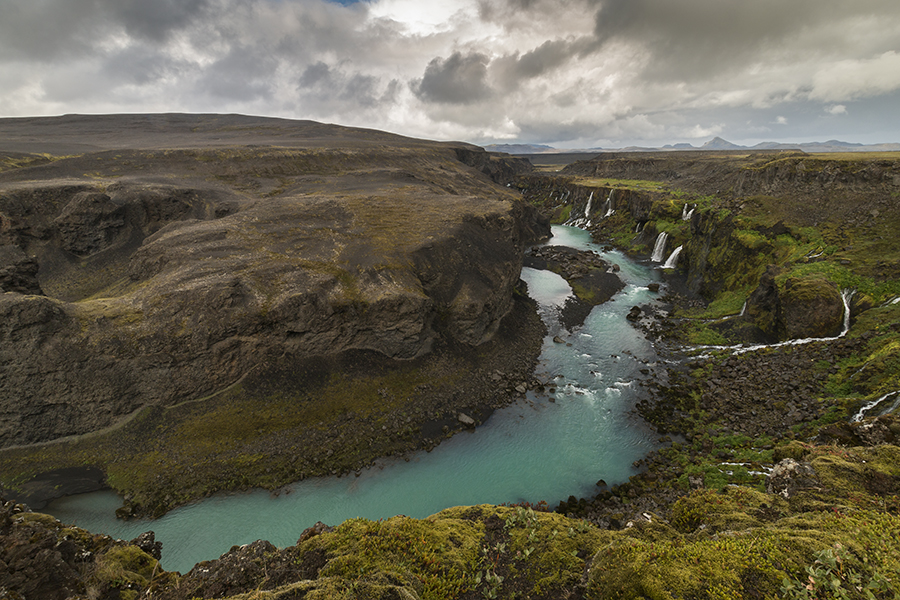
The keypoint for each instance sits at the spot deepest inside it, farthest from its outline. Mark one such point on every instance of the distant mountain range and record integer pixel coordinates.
(716, 143)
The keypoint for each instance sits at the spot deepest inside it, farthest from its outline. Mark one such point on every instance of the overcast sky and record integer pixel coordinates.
(569, 73)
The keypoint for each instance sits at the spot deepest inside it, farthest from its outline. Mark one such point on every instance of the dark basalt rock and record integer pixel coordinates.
(806, 307)
(18, 272)
(89, 223)
(158, 292)
(147, 542)
(41, 557)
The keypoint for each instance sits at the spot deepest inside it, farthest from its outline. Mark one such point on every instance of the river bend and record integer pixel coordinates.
(546, 447)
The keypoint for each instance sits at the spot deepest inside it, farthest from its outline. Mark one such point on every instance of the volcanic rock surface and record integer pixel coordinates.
(149, 260)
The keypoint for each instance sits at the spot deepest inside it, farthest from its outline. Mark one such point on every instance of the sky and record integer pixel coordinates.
(566, 73)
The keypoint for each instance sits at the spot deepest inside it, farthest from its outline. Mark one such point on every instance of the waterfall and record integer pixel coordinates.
(610, 210)
(870, 405)
(584, 221)
(846, 295)
(660, 247)
(744, 308)
(673, 258)
(687, 214)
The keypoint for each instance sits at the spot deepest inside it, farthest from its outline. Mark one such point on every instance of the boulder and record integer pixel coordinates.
(799, 307)
(466, 420)
(789, 477)
(811, 307)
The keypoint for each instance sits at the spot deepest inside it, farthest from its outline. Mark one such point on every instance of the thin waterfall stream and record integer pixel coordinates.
(550, 445)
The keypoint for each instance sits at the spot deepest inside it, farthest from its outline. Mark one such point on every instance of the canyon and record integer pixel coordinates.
(777, 459)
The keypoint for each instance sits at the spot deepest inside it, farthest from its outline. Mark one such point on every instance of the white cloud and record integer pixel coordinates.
(855, 78)
(566, 71)
(700, 132)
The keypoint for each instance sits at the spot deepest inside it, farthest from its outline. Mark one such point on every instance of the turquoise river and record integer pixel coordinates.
(546, 447)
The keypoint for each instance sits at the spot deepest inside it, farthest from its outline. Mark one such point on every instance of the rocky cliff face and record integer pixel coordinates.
(798, 308)
(742, 173)
(138, 277)
(815, 218)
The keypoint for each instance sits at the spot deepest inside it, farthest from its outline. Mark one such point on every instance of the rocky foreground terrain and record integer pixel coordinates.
(774, 481)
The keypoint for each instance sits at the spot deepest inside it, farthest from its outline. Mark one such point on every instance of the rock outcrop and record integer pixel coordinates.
(141, 277)
(799, 308)
(43, 558)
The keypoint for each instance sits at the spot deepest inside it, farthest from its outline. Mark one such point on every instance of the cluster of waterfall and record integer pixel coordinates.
(687, 214)
(659, 250)
(584, 221)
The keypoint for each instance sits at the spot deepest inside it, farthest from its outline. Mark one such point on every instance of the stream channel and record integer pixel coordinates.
(545, 447)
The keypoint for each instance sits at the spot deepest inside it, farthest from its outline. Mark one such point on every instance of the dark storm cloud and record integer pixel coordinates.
(460, 79)
(244, 73)
(152, 19)
(694, 39)
(46, 29)
(323, 88)
(142, 65)
(509, 71)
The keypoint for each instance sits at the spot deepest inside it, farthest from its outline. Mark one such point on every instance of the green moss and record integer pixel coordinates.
(436, 556)
(728, 509)
(46, 520)
(562, 215)
(630, 184)
(752, 240)
(700, 334)
(127, 569)
(743, 562)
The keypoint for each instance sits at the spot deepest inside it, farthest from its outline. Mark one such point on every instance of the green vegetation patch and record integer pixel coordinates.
(491, 551)
(630, 184)
(436, 556)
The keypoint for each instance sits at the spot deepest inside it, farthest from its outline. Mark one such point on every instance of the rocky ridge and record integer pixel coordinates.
(155, 292)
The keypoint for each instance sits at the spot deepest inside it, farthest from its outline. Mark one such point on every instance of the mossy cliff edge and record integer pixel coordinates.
(826, 527)
(245, 300)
